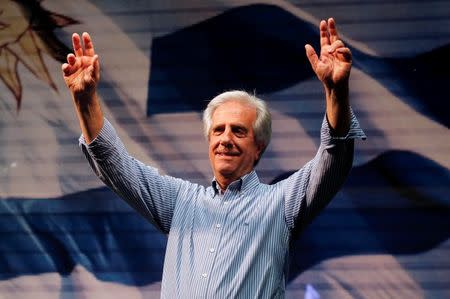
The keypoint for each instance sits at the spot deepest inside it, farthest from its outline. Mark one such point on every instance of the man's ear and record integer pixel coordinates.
(259, 148)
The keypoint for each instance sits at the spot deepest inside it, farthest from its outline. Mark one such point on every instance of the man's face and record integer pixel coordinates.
(232, 147)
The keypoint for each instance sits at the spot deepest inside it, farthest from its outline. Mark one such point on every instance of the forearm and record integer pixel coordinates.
(331, 165)
(338, 109)
(90, 115)
(311, 188)
(329, 171)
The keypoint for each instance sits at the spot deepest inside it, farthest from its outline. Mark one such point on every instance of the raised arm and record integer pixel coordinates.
(81, 74)
(310, 189)
(153, 195)
(333, 70)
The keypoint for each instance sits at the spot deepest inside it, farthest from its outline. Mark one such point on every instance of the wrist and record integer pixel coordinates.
(338, 108)
(85, 100)
(337, 91)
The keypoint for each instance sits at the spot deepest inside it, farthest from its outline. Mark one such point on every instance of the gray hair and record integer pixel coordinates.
(262, 127)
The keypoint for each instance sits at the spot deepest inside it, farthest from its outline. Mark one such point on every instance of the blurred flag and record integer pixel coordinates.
(65, 235)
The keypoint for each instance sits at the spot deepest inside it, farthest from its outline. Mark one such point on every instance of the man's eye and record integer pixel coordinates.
(217, 131)
(239, 132)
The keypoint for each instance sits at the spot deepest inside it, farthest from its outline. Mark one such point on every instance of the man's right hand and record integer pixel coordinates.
(82, 73)
(82, 70)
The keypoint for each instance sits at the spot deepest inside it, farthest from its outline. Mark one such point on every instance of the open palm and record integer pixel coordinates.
(82, 70)
(335, 61)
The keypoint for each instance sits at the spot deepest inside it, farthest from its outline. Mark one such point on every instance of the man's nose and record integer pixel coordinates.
(226, 139)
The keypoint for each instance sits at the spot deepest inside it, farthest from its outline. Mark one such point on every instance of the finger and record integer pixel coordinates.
(96, 65)
(88, 45)
(345, 53)
(95, 60)
(337, 44)
(71, 59)
(68, 69)
(76, 42)
(312, 56)
(64, 67)
(324, 38)
(334, 35)
(89, 75)
(92, 72)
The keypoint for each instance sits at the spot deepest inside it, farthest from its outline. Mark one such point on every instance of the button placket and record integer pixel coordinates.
(214, 238)
(219, 226)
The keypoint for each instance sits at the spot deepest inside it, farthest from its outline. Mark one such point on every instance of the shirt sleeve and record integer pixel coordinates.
(153, 195)
(310, 189)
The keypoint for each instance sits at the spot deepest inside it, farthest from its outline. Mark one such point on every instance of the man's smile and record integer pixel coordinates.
(227, 154)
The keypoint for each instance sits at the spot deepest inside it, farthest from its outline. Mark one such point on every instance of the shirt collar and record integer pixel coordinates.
(246, 182)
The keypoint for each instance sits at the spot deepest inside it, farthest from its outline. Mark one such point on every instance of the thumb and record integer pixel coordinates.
(312, 56)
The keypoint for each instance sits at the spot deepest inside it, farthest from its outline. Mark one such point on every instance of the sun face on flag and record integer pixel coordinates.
(26, 32)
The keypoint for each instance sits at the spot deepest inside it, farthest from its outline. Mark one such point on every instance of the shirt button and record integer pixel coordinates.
(211, 250)
(218, 225)
(204, 275)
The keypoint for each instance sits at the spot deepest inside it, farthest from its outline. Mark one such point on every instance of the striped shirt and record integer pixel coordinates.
(232, 244)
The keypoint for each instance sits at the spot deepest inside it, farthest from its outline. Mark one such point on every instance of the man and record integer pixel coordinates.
(231, 239)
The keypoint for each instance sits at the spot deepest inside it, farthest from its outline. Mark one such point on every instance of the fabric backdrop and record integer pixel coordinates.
(63, 234)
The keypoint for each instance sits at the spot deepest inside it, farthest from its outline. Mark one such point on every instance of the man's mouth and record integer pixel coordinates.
(227, 154)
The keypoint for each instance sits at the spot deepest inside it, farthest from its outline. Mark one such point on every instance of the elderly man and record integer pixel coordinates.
(231, 239)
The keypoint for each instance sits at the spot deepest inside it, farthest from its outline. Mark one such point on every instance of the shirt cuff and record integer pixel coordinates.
(103, 144)
(355, 131)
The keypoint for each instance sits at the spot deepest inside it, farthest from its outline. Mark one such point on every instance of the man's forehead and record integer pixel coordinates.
(234, 108)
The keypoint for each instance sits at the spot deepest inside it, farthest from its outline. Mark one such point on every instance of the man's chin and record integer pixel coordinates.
(226, 171)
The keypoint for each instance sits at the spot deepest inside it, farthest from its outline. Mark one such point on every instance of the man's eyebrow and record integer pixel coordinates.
(239, 126)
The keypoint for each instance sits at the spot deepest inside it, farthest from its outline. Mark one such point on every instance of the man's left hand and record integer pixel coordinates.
(335, 61)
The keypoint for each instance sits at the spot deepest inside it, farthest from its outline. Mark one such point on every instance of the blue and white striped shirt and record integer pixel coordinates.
(230, 245)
